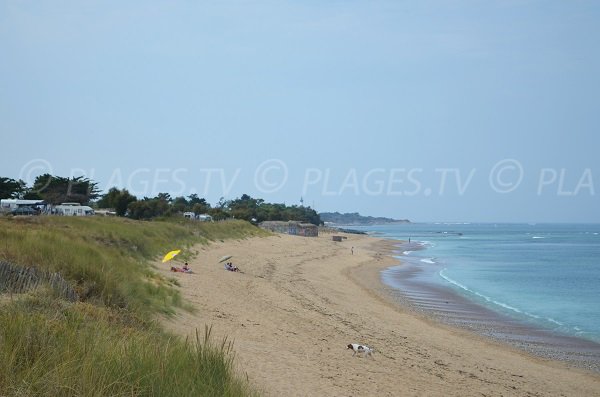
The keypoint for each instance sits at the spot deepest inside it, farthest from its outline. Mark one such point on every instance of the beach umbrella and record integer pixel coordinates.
(170, 255)
(224, 258)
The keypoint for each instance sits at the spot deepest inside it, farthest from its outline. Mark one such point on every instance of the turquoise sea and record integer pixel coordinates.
(546, 276)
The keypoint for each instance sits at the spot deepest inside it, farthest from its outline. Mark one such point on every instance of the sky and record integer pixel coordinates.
(449, 111)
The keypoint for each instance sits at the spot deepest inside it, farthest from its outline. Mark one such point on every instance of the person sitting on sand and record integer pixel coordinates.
(231, 267)
(186, 268)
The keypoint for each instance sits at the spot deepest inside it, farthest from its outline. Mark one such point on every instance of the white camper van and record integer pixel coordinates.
(198, 217)
(9, 205)
(73, 209)
(204, 218)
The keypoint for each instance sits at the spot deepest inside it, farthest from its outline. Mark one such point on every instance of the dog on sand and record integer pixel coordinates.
(366, 351)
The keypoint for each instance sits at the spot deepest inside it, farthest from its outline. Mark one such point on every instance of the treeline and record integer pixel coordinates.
(56, 190)
(52, 189)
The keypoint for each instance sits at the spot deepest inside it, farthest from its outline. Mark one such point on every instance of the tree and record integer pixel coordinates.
(164, 196)
(194, 199)
(201, 208)
(281, 212)
(11, 188)
(117, 199)
(149, 208)
(180, 204)
(109, 199)
(199, 205)
(245, 207)
(57, 189)
(218, 214)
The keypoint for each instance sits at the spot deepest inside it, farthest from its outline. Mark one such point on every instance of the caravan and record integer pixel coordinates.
(198, 217)
(12, 205)
(73, 209)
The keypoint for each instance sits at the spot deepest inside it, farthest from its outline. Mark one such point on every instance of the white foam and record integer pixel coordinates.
(502, 304)
(406, 252)
(554, 321)
(428, 260)
(538, 237)
(486, 298)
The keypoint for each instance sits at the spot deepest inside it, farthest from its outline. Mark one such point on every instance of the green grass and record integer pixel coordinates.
(107, 344)
(107, 258)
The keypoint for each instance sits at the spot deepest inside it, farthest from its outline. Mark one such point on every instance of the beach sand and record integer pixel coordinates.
(300, 301)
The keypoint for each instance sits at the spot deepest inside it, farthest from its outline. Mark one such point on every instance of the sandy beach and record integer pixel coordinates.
(300, 301)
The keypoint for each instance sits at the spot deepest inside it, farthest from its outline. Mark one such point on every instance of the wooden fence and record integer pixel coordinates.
(19, 279)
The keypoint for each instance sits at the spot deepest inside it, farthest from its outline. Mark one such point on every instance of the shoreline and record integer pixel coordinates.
(446, 306)
(300, 301)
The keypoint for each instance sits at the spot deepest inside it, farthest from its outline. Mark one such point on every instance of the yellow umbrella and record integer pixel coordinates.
(171, 255)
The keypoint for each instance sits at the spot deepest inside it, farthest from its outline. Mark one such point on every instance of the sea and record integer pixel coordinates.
(534, 285)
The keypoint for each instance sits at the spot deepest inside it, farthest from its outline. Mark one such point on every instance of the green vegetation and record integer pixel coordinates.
(108, 343)
(117, 199)
(249, 208)
(246, 208)
(56, 189)
(11, 188)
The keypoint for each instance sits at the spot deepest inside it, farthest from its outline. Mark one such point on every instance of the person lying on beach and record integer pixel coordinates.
(185, 269)
(231, 267)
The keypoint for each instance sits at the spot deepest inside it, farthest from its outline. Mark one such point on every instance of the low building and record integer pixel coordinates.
(293, 228)
(308, 230)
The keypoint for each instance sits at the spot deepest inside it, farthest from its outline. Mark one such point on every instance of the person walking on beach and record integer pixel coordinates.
(352, 250)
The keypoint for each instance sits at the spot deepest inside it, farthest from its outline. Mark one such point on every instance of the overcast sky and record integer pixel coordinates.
(427, 110)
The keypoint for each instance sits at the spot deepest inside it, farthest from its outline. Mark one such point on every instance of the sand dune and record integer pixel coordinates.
(300, 301)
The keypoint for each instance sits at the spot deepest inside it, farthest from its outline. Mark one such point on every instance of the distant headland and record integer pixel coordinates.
(355, 219)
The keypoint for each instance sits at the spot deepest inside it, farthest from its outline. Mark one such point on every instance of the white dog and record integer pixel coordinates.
(368, 352)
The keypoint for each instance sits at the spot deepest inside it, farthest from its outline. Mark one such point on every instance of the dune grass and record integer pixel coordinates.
(107, 258)
(106, 344)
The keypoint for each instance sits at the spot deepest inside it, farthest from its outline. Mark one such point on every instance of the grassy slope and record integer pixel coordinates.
(106, 344)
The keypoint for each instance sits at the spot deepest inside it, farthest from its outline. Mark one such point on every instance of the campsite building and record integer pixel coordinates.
(291, 227)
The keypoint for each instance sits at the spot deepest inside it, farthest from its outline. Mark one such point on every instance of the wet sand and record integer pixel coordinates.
(413, 289)
(300, 301)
